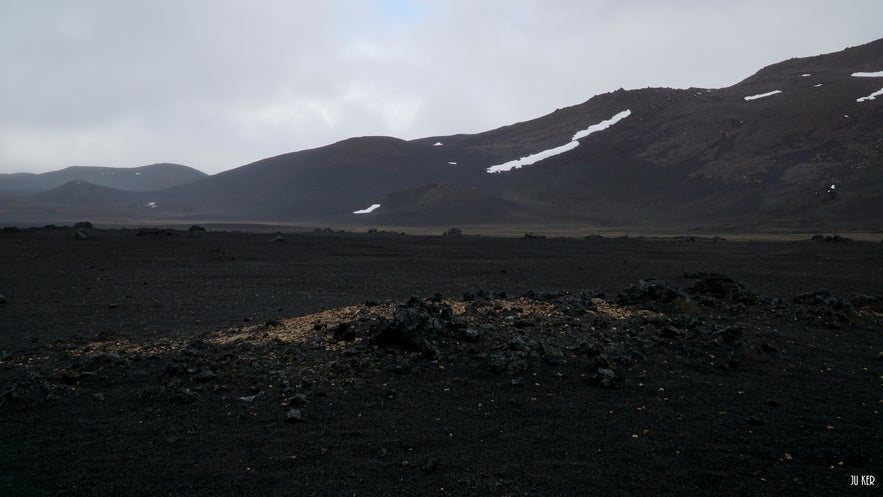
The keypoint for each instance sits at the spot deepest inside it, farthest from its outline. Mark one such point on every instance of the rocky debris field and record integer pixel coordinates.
(691, 385)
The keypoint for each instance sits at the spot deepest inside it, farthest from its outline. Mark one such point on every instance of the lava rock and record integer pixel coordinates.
(467, 334)
(712, 288)
(831, 238)
(294, 416)
(603, 377)
(414, 327)
(652, 291)
(729, 334)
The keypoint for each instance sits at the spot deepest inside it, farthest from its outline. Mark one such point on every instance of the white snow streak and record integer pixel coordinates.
(878, 74)
(532, 159)
(545, 154)
(452, 163)
(872, 96)
(601, 126)
(369, 210)
(762, 95)
(437, 144)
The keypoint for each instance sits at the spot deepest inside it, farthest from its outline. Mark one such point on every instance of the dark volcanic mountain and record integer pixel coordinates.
(136, 179)
(796, 146)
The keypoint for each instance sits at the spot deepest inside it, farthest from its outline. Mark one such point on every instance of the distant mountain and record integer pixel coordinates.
(83, 194)
(798, 145)
(137, 179)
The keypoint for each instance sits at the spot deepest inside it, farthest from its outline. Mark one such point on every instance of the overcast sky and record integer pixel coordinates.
(216, 84)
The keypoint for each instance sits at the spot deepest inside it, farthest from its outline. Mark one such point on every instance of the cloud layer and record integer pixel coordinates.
(216, 84)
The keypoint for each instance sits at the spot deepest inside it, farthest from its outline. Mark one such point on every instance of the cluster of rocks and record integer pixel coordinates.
(820, 306)
(375, 231)
(292, 363)
(831, 238)
(156, 232)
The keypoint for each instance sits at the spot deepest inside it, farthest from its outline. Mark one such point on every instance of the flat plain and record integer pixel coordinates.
(155, 362)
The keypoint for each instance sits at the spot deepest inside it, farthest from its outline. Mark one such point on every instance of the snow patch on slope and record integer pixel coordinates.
(872, 96)
(601, 126)
(878, 74)
(545, 154)
(762, 95)
(369, 210)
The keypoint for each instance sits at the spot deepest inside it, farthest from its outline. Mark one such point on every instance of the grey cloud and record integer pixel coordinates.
(217, 84)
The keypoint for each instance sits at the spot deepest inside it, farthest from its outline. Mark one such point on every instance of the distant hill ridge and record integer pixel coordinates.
(137, 179)
(797, 145)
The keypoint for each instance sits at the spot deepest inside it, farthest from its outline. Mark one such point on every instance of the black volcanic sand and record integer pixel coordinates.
(224, 364)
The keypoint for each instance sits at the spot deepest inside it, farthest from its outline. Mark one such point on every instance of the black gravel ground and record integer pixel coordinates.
(226, 364)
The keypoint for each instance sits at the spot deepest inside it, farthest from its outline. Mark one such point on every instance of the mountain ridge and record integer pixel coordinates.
(144, 178)
(761, 153)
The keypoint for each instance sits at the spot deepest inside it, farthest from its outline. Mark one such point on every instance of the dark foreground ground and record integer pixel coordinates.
(222, 364)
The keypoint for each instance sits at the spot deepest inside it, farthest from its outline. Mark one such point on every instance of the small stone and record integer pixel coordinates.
(754, 421)
(70, 377)
(205, 375)
(108, 358)
(518, 343)
(184, 396)
(294, 416)
(3, 300)
(298, 400)
(466, 334)
(604, 377)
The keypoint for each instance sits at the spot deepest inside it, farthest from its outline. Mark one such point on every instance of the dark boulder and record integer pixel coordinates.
(415, 326)
(713, 288)
(831, 238)
(651, 291)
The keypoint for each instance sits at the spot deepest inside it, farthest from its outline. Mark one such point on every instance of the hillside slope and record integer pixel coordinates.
(795, 146)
